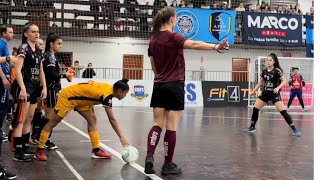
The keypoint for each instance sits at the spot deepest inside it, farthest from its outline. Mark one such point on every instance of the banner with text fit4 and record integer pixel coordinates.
(205, 25)
(309, 35)
(224, 93)
(271, 29)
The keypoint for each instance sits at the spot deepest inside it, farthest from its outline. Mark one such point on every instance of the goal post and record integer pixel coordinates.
(305, 66)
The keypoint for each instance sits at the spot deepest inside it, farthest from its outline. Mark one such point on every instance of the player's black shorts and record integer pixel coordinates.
(168, 95)
(267, 96)
(33, 91)
(52, 97)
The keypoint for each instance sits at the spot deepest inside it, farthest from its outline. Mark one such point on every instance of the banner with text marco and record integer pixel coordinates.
(271, 29)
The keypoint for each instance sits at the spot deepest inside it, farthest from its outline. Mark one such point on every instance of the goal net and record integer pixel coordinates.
(305, 66)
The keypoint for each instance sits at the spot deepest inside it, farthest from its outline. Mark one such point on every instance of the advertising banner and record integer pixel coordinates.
(309, 35)
(307, 95)
(271, 29)
(206, 25)
(140, 92)
(224, 93)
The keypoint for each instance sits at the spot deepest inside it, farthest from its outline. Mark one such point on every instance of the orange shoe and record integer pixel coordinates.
(39, 155)
(100, 155)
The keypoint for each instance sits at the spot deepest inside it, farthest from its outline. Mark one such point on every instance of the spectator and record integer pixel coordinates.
(174, 3)
(18, 2)
(94, 7)
(77, 68)
(214, 6)
(144, 19)
(241, 7)
(190, 5)
(89, 72)
(250, 8)
(289, 9)
(297, 10)
(311, 11)
(224, 6)
(281, 10)
(182, 4)
(258, 8)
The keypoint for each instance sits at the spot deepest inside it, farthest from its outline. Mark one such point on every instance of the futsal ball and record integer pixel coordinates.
(130, 154)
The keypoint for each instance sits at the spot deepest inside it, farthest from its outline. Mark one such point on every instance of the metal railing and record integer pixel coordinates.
(147, 74)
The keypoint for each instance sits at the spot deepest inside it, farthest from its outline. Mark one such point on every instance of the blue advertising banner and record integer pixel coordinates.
(271, 29)
(205, 25)
(309, 36)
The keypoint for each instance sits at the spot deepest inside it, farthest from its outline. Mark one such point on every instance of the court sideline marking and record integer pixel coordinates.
(74, 171)
(226, 117)
(114, 152)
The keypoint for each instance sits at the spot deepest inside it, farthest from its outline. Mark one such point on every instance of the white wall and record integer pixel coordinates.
(110, 54)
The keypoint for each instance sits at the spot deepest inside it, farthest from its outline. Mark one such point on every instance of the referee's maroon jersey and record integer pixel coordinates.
(167, 52)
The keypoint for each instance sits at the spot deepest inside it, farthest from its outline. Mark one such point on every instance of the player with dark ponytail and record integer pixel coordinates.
(82, 97)
(273, 80)
(51, 70)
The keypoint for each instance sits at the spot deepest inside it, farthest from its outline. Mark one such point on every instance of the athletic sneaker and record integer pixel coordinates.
(3, 176)
(100, 155)
(28, 152)
(39, 155)
(50, 145)
(296, 133)
(35, 141)
(171, 169)
(148, 167)
(288, 110)
(249, 130)
(20, 156)
(8, 174)
(4, 137)
(304, 109)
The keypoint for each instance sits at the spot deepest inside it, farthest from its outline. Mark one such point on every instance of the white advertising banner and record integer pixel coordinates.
(140, 92)
(193, 93)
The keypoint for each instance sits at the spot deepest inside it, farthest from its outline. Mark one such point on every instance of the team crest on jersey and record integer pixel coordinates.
(187, 24)
(139, 93)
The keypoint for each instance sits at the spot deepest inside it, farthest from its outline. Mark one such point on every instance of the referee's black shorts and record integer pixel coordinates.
(168, 95)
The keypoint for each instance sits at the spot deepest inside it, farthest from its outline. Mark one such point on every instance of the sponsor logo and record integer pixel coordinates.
(273, 22)
(220, 25)
(190, 94)
(233, 93)
(139, 93)
(188, 24)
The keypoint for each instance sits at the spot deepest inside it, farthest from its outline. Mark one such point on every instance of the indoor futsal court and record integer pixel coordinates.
(210, 145)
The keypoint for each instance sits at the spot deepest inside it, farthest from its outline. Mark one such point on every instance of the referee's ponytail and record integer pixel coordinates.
(276, 61)
(121, 84)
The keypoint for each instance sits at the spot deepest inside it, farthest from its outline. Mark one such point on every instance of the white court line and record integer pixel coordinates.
(225, 117)
(79, 177)
(294, 113)
(114, 152)
(90, 141)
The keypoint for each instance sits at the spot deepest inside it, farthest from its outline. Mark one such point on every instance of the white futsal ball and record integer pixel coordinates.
(130, 154)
